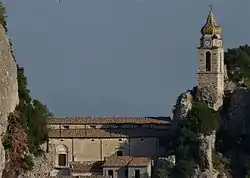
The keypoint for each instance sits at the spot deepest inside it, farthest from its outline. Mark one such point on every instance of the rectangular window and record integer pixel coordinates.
(126, 173)
(137, 173)
(119, 153)
(66, 126)
(110, 173)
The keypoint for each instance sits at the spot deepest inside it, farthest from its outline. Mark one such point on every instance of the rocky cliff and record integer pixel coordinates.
(206, 142)
(230, 140)
(43, 164)
(8, 89)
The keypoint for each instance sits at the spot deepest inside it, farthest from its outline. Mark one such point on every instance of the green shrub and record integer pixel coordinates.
(27, 162)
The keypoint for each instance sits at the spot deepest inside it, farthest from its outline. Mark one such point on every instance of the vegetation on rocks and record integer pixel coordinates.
(234, 146)
(27, 125)
(184, 143)
(238, 65)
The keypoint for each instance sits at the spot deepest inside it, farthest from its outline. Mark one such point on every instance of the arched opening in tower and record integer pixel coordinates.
(208, 61)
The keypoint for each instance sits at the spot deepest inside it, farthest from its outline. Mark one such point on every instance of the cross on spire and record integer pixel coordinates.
(210, 7)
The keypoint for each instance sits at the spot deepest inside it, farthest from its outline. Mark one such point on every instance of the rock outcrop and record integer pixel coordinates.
(43, 164)
(8, 88)
(182, 108)
(236, 111)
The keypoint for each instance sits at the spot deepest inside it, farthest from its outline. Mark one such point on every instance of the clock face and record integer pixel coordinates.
(207, 43)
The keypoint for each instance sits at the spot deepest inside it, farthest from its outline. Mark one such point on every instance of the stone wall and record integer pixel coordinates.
(8, 88)
(212, 81)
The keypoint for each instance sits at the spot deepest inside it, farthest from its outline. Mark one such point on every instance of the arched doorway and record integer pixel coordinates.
(62, 155)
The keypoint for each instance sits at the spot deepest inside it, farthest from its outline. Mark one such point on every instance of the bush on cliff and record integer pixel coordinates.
(237, 61)
(27, 128)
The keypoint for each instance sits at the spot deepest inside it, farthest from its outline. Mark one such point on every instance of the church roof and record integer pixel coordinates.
(108, 120)
(86, 166)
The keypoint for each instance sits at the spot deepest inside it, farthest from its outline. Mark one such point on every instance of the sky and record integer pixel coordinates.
(115, 57)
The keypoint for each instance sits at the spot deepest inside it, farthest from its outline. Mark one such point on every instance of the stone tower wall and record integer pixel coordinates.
(211, 81)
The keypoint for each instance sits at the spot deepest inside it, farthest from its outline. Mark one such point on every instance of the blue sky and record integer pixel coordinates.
(115, 57)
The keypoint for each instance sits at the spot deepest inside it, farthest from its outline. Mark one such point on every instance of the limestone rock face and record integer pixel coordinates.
(8, 89)
(207, 143)
(183, 106)
(42, 165)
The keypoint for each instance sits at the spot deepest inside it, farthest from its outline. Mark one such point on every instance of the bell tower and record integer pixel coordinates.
(210, 64)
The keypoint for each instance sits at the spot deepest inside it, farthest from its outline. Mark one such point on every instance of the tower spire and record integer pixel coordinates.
(211, 27)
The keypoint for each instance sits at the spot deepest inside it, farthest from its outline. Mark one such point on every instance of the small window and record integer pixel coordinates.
(120, 139)
(126, 173)
(142, 139)
(92, 140)
(137, 173)
(66, 126)
(119, 153)
(110, 173)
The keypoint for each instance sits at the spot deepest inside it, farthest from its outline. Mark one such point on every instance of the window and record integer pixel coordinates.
(126, 173)
(120, 139)
(137, 173)
(221, 62)
(66, 126)
(110, 173)
(208, 61)
(62, 159)
(119, 153)
(142, 139)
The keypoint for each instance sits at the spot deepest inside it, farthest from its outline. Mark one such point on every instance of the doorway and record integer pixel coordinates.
(62, 159)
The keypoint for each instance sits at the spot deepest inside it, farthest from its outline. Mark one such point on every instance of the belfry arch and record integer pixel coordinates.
(208, 61)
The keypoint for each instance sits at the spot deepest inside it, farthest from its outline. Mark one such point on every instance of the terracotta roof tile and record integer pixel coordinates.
(122, 161)
(107, 120)
(86, 166)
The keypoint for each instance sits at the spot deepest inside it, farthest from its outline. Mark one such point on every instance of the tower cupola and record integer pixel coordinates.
(211, 27)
